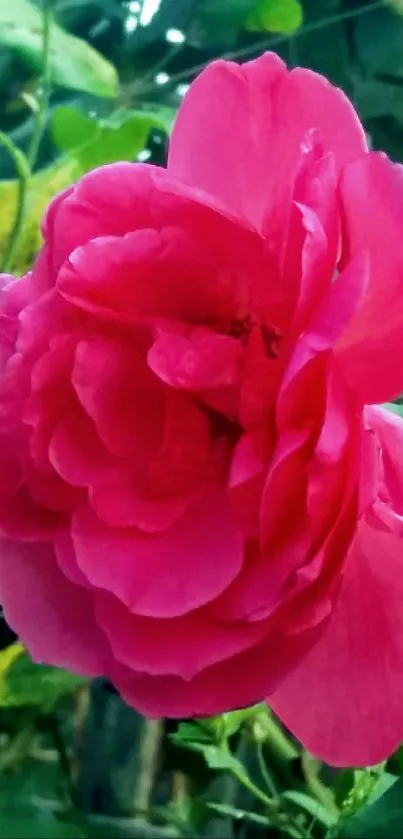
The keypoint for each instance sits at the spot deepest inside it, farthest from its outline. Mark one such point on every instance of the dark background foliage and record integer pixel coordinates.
(74, 760)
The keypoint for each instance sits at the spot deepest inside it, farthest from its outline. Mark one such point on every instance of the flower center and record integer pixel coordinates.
(242, 328)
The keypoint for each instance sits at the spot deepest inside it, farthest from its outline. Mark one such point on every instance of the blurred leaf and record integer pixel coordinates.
(7, 657)
(99, 826)
(43, 186)
(25, 683)
(396, 409)
(73, 62)
(283, 16)
(384, 782)
(342, 785)
(37, 828)
(219, 21)
(94, 142)
(396, 5)
(383, 818)
(311, 806)
(378, 44)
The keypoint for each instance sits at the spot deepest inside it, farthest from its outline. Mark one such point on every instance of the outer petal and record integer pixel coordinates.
(181, 646)
(356, 669)
(53, 617)
(345, 702)
(167, 575)
(372, 195)
(239, 681)
(249, 167)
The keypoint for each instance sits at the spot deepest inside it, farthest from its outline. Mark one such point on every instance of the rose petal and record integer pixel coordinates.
(241, 680)
(181, 646)
(272, 111)
(165, 575)
(53, 617)
(335, 703)
(372, 194)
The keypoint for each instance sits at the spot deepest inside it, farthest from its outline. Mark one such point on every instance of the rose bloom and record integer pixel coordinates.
(200, 499)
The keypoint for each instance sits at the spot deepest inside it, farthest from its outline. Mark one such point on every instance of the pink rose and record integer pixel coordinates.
(195, 501)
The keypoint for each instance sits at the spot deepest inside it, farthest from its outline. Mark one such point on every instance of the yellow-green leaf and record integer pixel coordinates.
(22, 682)
(282, 16)
(43, 186)
(95, 142)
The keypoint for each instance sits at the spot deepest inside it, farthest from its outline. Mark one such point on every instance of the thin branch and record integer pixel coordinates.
(45, 87)
(264, 770)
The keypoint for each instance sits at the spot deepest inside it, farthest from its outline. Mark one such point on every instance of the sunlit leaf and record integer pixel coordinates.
(93, 141)
(283, 16)
(43, 186)
(73, 62)
(24, 683)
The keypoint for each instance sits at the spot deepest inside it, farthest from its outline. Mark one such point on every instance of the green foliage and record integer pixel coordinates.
(73, 62)
(383, 818)
(23, 683)
(220, 21)
(42, 187)
(37, 828)
(283, 16)
(93, 141)
(314, 808)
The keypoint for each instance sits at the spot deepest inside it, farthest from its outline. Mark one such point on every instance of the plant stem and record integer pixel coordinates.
(25, 164)
(44, 89)
(264, 771)
(23, 173)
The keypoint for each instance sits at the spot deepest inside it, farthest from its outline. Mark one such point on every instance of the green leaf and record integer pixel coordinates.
(37, 828)
(73, 62)
(396, 5)
(190, 733)
(383, 818)
(311, 806)
(283, 16)
(94, 142)
(219, 21)
(25, 683)
(218, 758)
(199, 737)
(383, 784)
